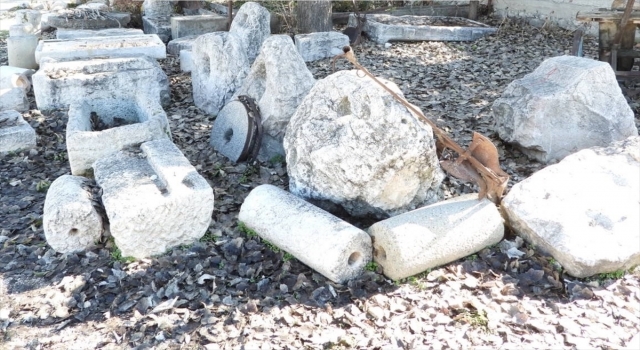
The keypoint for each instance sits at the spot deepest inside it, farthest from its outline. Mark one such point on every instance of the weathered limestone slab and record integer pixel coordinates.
(155, 199)
(115, 46)
(333, 247)
(279, 80)
(160, 26)
(14, 99)
(105, 20)
(252, 25)
(67, 34)
(352, 144)
(220, 67)
(21, 51)
(585, 210)
(384, 28)
(186, 61)
(317, 46)
(59, 83)
(99, 127)
(96, 6)
(567, 104)
(70, 221)
(435, 235)
(185, 43)
(182, 26)
(15, 132)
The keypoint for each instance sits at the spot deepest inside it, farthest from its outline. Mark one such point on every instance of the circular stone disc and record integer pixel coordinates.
(230, 131)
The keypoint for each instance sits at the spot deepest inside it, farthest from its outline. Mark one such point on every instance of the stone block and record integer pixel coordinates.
(594, 112)
(161, 26)
(410, 243)
(12, 77)
(182, 26)
(154, 198)
(384, 28)
(67, 34)
(158, 8)
(72, 221)
(115, 46)
(252, 25)
(30, 17)
(15, 132)
(317, 46)
(14, 99)
(350, 143)
(185, 43)
(186, 60)
(99, 127)
(105, 20)
(334, 248)
(585, 210)
(21, 51)
(59, 83)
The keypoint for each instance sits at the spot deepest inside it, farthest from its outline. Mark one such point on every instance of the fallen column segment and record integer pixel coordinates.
(333, 247)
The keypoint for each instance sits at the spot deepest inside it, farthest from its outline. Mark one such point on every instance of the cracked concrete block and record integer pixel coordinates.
(15, 132)
(154, 198)
(99, 127)
(334, 248)
(71, 221)
(410, 243)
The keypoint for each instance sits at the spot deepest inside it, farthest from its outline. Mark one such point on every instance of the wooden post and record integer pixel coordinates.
(473, 9)
(607, 32)
(230, 13)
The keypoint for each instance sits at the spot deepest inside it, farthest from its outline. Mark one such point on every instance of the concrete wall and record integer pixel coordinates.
(558, 12)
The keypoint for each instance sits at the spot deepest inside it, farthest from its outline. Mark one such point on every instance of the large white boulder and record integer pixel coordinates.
(252, 25)
(278, 81)
(154, 198)
(71, 221)
(567, 104)
(585, 210)
(220, 65)
(351, 143)
(438, 234)
(59, 83)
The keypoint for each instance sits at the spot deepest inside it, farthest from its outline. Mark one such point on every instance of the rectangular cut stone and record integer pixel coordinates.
(196, 25)
(185, 43)
(334, 248)
(101, 21)
(15, 132)
(115, 46)
(186, 60)
(317, 46)
(14, 99)
(60, 83)
(154, 198)
(130, 122)
(160, 26)
(66, 34)
(410, 243)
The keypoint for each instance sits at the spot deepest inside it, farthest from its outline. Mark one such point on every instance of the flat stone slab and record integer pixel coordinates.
(99, 127)
(182, 26)
(333, 247)
(413, 242)
(585, 210)
(15, 132)
(115, 46)
(230, 131)
(154, 198)
(66, 34)
(160, 26)
(185, 43)
(60, 83)
(79, 21)
(384, 28)
(71, 221)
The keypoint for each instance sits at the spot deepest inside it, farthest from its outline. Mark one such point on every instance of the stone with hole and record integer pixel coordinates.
(230, 131)
(410, 243)
(72, 221)
(333, 247)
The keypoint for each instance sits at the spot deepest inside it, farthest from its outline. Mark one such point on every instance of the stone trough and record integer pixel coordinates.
(384, 28)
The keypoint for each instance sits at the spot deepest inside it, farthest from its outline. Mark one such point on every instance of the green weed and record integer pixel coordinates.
(371, 266)
(43, 186)
(243, 228)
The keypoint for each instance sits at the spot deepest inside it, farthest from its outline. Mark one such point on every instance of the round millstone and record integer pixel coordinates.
(231, 130)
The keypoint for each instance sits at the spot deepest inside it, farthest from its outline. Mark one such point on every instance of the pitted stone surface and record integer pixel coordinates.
(335, 248)
(252, 25)
(154, 198)
(351, 143)
(15, 132)
(59, 83)
(71, 222)
(132, 122)
(230, 130)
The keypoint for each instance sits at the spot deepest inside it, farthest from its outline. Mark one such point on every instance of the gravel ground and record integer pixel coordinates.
(231, 290)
